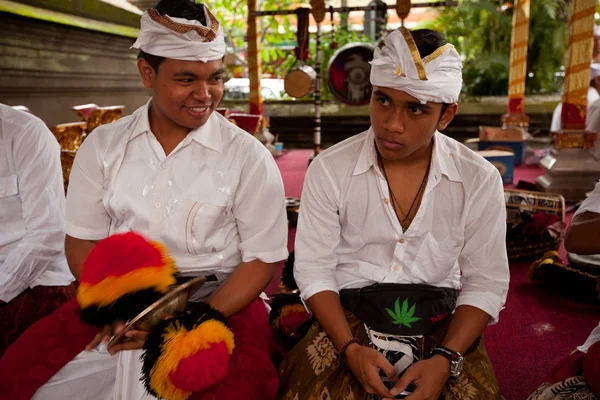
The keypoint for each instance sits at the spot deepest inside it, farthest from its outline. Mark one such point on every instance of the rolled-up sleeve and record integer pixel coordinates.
(483, 261)
(318, 234)
(260, 212)
(592, 203)
(86, 216)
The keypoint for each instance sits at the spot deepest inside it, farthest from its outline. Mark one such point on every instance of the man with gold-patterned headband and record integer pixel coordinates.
(400, 248)
(180, 174)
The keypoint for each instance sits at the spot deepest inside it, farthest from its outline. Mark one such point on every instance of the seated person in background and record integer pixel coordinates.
(180, 174)
(34, 275)
(400, 244)
(578, 375)
(593, 95)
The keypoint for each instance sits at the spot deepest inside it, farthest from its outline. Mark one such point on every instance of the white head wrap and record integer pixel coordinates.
(594, 70)
(397, 65)
(179, 38)
(596, 30)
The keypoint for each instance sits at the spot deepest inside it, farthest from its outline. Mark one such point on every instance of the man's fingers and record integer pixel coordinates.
(118, 327)
(137, 335)
(132, 345)
(386, 367)
(376, 383)
(99, 338)
(409, 376)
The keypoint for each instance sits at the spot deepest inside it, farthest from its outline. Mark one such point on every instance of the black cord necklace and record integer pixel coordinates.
(394, 200)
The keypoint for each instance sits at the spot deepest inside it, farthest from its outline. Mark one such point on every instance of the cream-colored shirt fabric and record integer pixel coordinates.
(32, 206)
(349, 236)
(215, 201)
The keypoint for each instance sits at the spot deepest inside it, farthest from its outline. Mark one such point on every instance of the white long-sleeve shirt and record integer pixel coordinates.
(216, 200)
(349, 236)
(32, 202)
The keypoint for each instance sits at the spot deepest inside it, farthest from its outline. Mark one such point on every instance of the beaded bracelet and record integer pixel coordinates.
(344, 347)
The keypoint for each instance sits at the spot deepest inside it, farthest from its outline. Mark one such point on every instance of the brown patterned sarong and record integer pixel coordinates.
(312, 370)
(28, 307)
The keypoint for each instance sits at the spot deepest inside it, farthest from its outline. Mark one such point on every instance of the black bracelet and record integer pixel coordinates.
(342, 351)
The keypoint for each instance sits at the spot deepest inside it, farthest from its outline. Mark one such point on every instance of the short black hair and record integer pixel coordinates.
(427, 41)
(187, 9)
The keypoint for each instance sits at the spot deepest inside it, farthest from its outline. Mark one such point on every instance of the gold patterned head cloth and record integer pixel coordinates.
(180, 38)
(397, 65)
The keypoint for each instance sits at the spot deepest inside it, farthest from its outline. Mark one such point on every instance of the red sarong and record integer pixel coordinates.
(28, 307)
(52, 342)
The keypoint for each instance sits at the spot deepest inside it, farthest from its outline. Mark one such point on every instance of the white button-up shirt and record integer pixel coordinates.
(349, 236)
(591, 204)
(32, 201)
(216, 200)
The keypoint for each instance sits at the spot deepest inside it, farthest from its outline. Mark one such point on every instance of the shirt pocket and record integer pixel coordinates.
(204, 228)
(10, 204)
(435, 259)
(8, 186)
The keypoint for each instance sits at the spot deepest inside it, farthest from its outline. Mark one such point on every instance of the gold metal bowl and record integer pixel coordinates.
(171, 304)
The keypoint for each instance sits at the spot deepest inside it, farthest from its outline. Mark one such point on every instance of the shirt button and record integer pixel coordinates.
(157, 205)
(396, 268)
(386, 200)
(164, 166)
(401, 241)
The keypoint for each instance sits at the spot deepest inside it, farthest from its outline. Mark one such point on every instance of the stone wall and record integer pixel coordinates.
(51, 67)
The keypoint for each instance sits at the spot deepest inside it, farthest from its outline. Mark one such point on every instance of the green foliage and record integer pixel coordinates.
(481, 32)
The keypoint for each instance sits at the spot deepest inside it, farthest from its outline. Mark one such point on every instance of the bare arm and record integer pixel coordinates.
(364, 362)
(583, 235)
(243, 286)
(77, 251)
(468, 323)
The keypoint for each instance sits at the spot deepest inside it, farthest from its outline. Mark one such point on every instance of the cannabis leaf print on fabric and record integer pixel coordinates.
(404, 316)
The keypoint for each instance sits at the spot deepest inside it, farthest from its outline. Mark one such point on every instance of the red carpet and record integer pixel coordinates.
(537, 328)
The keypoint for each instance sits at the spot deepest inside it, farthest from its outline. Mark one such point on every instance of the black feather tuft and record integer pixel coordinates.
(194, 315)
(124, 309)
(288, 283)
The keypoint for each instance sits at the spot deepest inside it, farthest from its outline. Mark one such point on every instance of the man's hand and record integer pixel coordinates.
(136, 341)
(366, 363)
(429, 376)
(137, 338)
(106, 333)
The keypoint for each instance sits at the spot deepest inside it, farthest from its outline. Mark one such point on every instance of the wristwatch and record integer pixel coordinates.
(455, 358)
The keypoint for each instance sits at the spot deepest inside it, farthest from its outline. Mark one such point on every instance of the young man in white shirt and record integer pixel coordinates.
(34, 276)
(180, 174)
(400, 244)
(578, 375)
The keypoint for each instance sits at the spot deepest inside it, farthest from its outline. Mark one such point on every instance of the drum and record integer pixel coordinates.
(348, 73)
(300, 81)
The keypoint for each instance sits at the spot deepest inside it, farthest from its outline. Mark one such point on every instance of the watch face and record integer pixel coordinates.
(457, 367)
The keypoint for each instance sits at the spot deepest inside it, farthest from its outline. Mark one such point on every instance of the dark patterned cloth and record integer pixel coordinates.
(312, 370)
(574, 388)
(28, 307)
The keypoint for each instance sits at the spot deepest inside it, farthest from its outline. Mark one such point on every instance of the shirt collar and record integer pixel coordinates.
(208, 135)
(442, 158)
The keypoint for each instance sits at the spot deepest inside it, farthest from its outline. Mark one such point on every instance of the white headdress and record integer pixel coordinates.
(179, 38)
(397, 65)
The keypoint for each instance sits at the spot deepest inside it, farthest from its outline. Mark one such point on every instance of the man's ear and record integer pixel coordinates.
(447, 117)
(147, 73)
